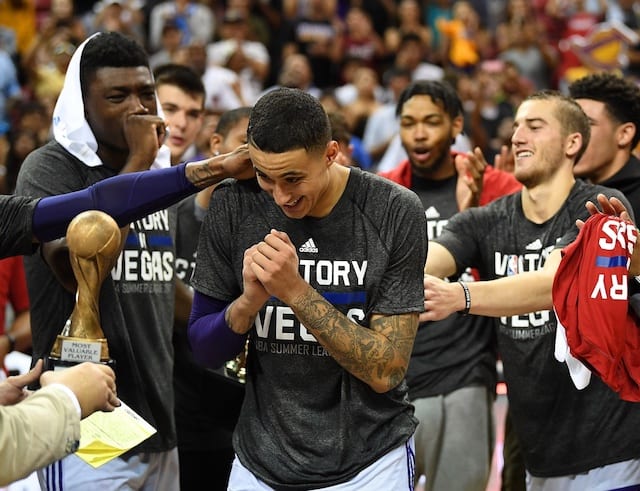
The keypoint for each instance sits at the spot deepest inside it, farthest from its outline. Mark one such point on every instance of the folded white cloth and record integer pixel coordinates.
(580, 374)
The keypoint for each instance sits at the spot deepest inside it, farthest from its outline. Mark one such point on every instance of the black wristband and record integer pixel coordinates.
(467, 298)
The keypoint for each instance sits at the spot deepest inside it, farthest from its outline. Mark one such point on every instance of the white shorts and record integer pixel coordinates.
(141, 472)
(619, 476)
(394, 470)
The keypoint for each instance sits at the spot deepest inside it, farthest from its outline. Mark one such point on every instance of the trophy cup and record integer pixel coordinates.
(94, 240)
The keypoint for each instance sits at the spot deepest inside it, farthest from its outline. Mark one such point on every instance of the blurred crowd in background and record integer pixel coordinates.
(355, 55)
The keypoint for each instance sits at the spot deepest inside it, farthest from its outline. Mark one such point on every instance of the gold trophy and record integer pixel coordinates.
(94, 242)
(236, 369)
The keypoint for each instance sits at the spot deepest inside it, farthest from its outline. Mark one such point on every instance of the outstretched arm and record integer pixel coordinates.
(128, 197)
(513, 295)
(440, 262)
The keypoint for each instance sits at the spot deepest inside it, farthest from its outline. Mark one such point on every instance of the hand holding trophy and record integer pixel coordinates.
(94, 242)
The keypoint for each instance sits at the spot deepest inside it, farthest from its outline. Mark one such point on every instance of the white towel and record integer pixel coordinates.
(72, 130)
(579, 373)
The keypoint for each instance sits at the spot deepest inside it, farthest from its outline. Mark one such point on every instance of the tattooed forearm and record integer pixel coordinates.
(205, 172)
(378, 355)
(213, 170)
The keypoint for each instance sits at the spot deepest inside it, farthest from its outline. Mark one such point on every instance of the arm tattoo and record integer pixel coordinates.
(205, 173)
(378, 355)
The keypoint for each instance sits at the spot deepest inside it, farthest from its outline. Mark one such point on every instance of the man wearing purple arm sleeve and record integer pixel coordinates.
(212, 340)
(126, 197)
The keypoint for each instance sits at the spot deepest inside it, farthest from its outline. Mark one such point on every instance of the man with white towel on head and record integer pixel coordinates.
(106, 123)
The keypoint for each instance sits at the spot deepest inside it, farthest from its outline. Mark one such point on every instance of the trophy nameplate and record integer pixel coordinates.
(94, 241)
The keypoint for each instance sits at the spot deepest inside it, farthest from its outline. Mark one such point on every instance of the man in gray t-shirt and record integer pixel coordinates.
(321, 266)
(570, 438)
(111, 127)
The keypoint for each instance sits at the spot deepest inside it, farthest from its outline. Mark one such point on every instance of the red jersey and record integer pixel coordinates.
(13, 287)
(590, 296)
(495, 183)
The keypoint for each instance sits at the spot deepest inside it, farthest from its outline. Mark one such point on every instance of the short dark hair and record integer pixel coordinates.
(621, 97)
(568, 112)
(180, 76)
(439, 91)
(109, 49)
(229, 119)
(288, 119)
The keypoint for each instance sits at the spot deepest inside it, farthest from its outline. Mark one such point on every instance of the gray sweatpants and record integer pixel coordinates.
(455, 439)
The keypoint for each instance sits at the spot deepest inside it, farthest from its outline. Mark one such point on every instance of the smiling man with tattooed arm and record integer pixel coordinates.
(321, 266)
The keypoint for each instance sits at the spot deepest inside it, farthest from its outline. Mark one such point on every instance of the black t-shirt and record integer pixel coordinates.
(458, 351)
(627, 180)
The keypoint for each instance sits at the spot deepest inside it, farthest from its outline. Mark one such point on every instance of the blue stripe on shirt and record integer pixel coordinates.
(611, 262)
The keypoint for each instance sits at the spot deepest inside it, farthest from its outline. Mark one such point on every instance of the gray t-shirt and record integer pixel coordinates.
(562, 430)
(306, 422)
(136, 301)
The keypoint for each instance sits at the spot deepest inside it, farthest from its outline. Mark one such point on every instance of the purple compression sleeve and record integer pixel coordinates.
(212, 340)
(126, 197)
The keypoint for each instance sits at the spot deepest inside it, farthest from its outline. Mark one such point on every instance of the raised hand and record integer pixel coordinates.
(504, 160)
(145, 134)
(609, 206)
(236, 164)
(470, 167)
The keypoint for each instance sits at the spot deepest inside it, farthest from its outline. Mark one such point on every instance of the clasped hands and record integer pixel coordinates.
(270, 268)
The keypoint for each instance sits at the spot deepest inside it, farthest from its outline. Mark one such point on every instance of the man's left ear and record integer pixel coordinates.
(332, 151)
(457, 125)
(573, 145)
(625, 134)
(214, 143)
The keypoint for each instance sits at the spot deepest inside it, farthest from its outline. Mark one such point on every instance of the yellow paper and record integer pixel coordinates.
(104, 436)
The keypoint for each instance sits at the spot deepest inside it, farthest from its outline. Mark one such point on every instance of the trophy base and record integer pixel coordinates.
(53, 363)
(68, 351)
